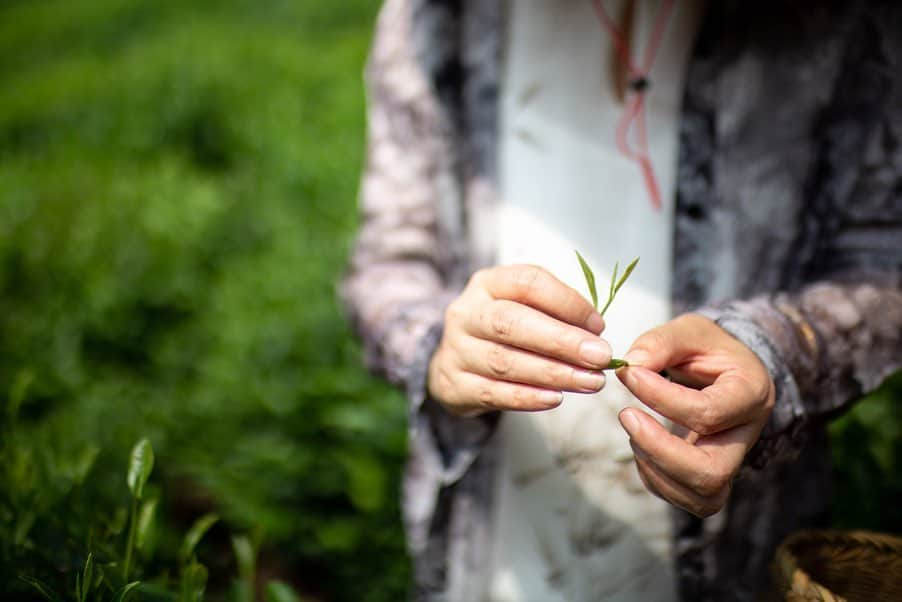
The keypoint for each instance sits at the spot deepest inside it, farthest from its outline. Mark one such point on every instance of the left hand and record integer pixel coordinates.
(720, 391)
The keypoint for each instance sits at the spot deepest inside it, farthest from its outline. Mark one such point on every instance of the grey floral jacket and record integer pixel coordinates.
(788, 234)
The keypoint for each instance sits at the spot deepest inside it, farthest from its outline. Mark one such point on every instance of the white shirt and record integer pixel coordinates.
(572, 518)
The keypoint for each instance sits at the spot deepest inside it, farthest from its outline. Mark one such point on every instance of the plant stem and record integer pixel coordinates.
(130, 544)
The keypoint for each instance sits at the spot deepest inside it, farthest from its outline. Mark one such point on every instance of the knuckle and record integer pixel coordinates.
(709, 419)
(561, 376)
(501, 320)
(564, 344)
(498, 360)
(521, 397)
(454, 313)
(764, 391)
(711, 481)
(486, 396)
(479, 277)
(526, 279)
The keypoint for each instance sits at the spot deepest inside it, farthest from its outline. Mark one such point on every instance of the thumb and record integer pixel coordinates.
(657, 348)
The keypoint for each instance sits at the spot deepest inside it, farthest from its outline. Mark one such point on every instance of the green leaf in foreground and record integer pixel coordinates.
(616, 363)
(139, 467)
(122, 594)
(194, 535)
(277, 591)
(145, 521)
(45, 590)
(590, 279)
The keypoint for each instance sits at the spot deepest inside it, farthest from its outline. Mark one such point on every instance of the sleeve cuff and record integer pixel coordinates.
(784, 433)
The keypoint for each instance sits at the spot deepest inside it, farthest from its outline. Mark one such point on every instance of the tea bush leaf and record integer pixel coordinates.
(194, 582)
(121, 595)
(590, 279)
(140, 467)
(277, 591)
(42, 588)
(245, 557)
(87, 581)
(626, 274)
(195, 534)
(145, 521)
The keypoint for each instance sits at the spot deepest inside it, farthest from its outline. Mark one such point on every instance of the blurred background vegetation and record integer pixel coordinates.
(177, 197)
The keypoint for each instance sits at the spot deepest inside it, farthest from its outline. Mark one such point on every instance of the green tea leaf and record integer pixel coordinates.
(590, 279)
(245, 556)
(145, 520)
(626, 274)
(122, 594)
(277, 591)
(616, 363)
(194, 581)
(195, 534)
(42, 588)
(617, 284)
(88, 580)
(139, 467)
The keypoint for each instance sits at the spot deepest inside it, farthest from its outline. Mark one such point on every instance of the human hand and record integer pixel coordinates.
(513, 340)
(720, 391)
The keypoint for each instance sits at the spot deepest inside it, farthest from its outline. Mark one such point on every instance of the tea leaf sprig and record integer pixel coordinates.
(615, 286)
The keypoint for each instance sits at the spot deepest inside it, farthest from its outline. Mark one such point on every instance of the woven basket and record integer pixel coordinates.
(839, 566)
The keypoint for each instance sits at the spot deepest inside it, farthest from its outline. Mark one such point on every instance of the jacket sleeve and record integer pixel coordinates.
(395, 289)
(407, 263)
(838, 334)
(825, 347)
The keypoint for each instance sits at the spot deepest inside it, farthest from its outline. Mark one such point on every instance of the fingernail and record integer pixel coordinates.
(595, 322)
(551, 398)
(636, 357)
(629, 422)
(596, 352)
(592, 381)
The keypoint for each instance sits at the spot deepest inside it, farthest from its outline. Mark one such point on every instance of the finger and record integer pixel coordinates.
(538, 288)
(664, 487)
(527, 328)
(503, 362)
(704, 469)
(731, 401)
(658, 348)
(474, 393)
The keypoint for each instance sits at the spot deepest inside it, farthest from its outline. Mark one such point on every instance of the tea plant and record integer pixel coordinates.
(614, 287)
(109, 580)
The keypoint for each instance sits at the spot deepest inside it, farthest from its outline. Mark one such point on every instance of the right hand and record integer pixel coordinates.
(513, 340)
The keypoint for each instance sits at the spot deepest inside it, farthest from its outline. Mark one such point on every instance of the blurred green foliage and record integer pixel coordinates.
(177, 196)
(867, 455)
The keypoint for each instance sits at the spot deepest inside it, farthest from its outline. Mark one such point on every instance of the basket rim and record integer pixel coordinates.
(795, 578)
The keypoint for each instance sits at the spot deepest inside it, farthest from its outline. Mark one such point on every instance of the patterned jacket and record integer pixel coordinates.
(788, 234)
